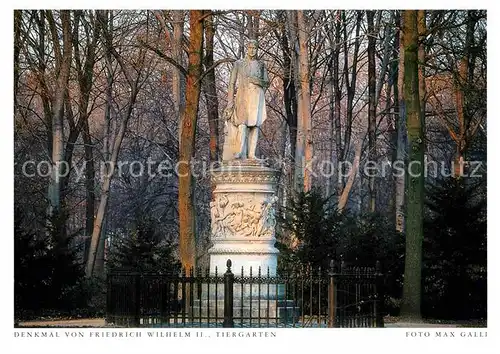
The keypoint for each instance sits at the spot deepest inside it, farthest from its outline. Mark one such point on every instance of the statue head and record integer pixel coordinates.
(252, 47)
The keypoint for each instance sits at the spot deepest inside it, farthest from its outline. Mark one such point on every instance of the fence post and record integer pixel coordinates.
(379, 304)
(331, 295)
(137, 298)
(228, 296)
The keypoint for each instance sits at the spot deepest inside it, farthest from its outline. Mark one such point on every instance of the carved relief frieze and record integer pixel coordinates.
(243, 216)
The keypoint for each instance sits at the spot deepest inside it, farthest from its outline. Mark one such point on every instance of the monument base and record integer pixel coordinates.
(243, 231)
(243, 218)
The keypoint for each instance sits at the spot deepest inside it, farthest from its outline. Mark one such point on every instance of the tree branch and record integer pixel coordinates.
(165, 57)
(217, 63)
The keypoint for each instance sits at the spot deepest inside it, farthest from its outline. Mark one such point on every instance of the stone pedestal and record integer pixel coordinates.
(243, 223)
(243, 218)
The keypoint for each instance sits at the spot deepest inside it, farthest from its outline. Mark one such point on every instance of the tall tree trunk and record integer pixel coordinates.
(97, 238)
(178, 81)
(371, 105)
(304, 100)
(300, 64)
(187, 236)
(289, 92)
(46, 94)
(63, 64)
(99, 266)
(401, 158)
(410, 307)
(85, 74)
(211, 89)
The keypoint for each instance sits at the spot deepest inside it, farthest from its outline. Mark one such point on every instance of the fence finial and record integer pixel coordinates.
(229, 264)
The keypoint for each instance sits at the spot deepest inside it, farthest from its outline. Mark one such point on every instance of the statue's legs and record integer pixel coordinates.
(243, 134)
(253, 135)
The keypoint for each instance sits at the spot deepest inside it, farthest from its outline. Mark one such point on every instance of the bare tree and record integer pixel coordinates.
(84, 63)
(134, 84)
(415, 203)
(63, 66)
(188, 125)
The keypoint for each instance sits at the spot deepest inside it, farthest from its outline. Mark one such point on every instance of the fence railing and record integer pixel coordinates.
(339, 297)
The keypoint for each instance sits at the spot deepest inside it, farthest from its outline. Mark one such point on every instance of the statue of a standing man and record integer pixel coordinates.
(246, 111)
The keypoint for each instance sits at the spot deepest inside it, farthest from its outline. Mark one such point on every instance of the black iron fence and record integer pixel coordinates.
(339, 297)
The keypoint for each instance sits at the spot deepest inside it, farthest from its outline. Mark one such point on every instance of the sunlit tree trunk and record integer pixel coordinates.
(187, 235)
(211, 89)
